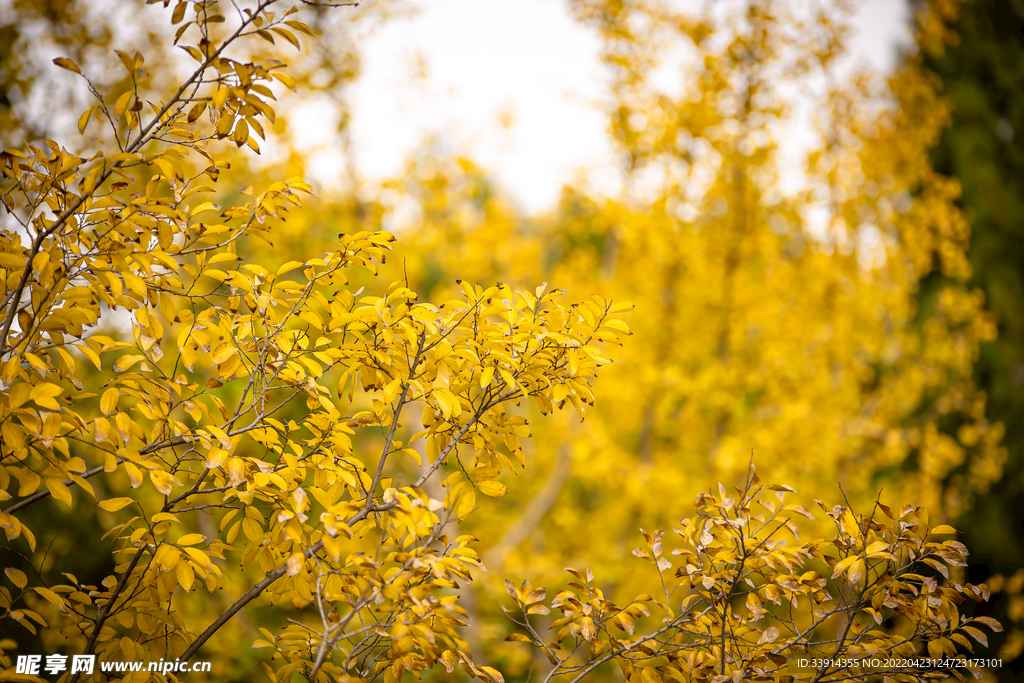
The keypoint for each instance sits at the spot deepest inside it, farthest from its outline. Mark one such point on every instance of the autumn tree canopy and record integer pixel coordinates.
(290, 442)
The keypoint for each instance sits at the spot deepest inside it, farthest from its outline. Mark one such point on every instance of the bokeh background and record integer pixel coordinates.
(816, 208)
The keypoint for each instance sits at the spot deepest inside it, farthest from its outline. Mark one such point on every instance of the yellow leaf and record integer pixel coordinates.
(299, 26)
(134, 475)
(486, 377)
(50, 597)
(16, 576)
(879, 549)
(11, 261)
(223, 256)
(101, 429)
(90, 354)
(198, 556)
(484, 473)
(856, 571)
(29, 479)
(167, 557)
(179, 12)
(977, 634)
(754, 605)
(191, 539)
(163, 481)
(843, 565)
(115, 504)
(189, 356)
(185, 575)
(67, 64)
(849, 524)
(493, 673)
(291, 265)
(287, 35)
(43, 394)
(286, 79)
(295, 562)
(83, 120)
(223, 352)
(492, 488)
(412, 452)
(205, 206)
(944, 529)
(18, 395)
(466, 505)
(447, 402)
(122, 104)
(588, 629)
(135, 284)
(59, 491)
(128, 63)
(333, 547)
(649, 675)
(108, 402)
(617, 325)
(125, 362)
(990, 622)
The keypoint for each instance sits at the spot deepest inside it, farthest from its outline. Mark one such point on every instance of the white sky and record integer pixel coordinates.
(524, 61)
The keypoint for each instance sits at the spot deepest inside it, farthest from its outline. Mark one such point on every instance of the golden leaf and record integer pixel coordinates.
(185, 575)
(115, 504)
(492, 488)
(108, 402)
(50, 597)
(83, 120)
(770, 635)
(59, 491)
(68, 64)
(466, 505)
(16, 576)
(134, 475)
(44, 394)
(588, 629)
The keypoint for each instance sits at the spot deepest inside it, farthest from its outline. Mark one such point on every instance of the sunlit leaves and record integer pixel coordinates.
(731, 555)
(210, 389)
(253, 418)
(264, 398)
(763, 318)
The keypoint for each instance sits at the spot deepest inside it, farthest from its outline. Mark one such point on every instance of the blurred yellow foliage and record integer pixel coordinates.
(780, 230)
(786, 300)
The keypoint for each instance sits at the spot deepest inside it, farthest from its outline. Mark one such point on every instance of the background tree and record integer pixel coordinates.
(775, 309)
(981, 77)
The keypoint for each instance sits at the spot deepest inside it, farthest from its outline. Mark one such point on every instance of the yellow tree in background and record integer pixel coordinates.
(774, 245)
(782, 321)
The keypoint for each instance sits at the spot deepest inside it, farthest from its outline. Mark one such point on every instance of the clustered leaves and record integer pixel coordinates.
(249, 411)
(748, 600)
(801, 313)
